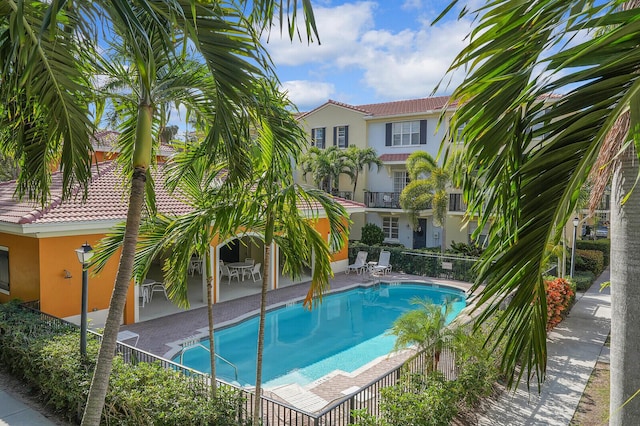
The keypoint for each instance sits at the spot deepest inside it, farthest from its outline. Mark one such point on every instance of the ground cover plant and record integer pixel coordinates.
(46, 355)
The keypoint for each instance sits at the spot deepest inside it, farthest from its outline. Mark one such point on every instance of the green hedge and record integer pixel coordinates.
(462, 267)
(590, 260)
(601, 245)
(143, 394)
(583, 280)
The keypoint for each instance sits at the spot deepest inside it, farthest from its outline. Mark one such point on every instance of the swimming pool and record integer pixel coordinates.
(344, 333)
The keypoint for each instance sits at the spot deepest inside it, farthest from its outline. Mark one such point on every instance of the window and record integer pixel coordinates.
(341, 136)
(390, 227)
(400, 180)
(4, 269)
(406, 133)
(455, 203)
(318, 138)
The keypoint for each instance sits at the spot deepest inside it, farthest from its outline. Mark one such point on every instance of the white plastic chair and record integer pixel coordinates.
(158, 288)
(228, 272)
(256, 271)
(360, 263)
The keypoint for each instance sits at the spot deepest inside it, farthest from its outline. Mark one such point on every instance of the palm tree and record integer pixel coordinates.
(361, 158)
(198, 185)
(424, 327)
(281, 210)
(46, 52)
(427, 189)
(529, 190)
(326, 166)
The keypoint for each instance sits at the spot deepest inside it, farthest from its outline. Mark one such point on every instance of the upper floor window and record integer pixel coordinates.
(4, 269)
(406, 133)
(341, 136)
(400, 180)
(390, 227)
(318, 137)
(455, 203)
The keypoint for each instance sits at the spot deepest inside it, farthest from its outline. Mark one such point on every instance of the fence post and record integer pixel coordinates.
(352, 406)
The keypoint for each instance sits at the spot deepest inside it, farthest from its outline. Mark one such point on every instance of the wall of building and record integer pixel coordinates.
(330, 116)
(61, 296)
(24, 264)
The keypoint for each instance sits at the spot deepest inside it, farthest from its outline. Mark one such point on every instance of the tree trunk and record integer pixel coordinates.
(141, 159)
(212, 345)
(100, 381)
(625, 293)
(266, 276)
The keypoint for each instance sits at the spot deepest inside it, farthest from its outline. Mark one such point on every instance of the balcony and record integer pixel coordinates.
(382, 200)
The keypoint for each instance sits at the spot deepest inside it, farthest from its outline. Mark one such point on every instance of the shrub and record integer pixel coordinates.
(583, 280)
(603, 246)
(48, 359)
(372, 234)
(591, 260)
(415, 263)
(420, 400)
(560, 296)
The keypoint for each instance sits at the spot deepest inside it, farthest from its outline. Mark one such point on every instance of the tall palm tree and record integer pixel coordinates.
(427, 189)
(46, 88)
(361, 158)
(281, 210)
(326, 166)
(518, 55)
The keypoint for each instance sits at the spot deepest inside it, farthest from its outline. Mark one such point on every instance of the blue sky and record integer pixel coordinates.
(370, 52)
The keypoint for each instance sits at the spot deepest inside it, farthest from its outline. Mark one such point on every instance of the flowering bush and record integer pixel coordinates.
(559, 299)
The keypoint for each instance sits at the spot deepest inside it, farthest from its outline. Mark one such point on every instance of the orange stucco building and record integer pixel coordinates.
(37, 245)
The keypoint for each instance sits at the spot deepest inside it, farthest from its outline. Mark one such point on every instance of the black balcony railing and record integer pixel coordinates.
(384, 200)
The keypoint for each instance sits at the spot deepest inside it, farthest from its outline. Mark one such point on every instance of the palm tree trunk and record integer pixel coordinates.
(141, 160)
(266, 276)
(100, 382)
(625, 293)
(212, 345)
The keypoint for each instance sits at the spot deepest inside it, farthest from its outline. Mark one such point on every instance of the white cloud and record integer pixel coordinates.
(340, 29)
(406, 63)
(305, 93)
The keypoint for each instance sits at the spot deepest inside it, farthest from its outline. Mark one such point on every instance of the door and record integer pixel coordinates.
(420, 234)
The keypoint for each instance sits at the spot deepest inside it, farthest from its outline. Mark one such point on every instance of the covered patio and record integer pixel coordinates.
(230, 252)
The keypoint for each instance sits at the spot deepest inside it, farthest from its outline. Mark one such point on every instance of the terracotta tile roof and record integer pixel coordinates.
(107, 141)
(410, 106)
(107, 200)
(386, 158)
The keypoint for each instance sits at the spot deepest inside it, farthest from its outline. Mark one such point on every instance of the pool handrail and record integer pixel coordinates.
(196, 343)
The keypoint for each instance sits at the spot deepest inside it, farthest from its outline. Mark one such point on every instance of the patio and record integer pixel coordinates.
(159, 306)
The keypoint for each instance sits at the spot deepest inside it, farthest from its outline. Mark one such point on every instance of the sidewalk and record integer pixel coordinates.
(17, 410)
(573, 347)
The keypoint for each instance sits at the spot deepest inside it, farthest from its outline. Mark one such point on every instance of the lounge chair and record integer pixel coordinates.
(228, 272)
(360, 263)
(383, 267)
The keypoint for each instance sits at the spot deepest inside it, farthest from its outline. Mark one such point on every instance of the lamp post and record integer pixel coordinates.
(576, 221)
(84, 254)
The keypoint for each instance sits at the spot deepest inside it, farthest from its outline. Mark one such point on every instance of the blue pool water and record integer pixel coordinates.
(344, 333)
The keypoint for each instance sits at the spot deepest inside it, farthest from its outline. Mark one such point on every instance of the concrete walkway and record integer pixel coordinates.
(18, 411)
(574, 347)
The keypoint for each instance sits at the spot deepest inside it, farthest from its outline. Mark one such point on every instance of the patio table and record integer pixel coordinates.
(241, 267)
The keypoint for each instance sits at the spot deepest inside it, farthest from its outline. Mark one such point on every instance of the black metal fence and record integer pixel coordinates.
(278, 413)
